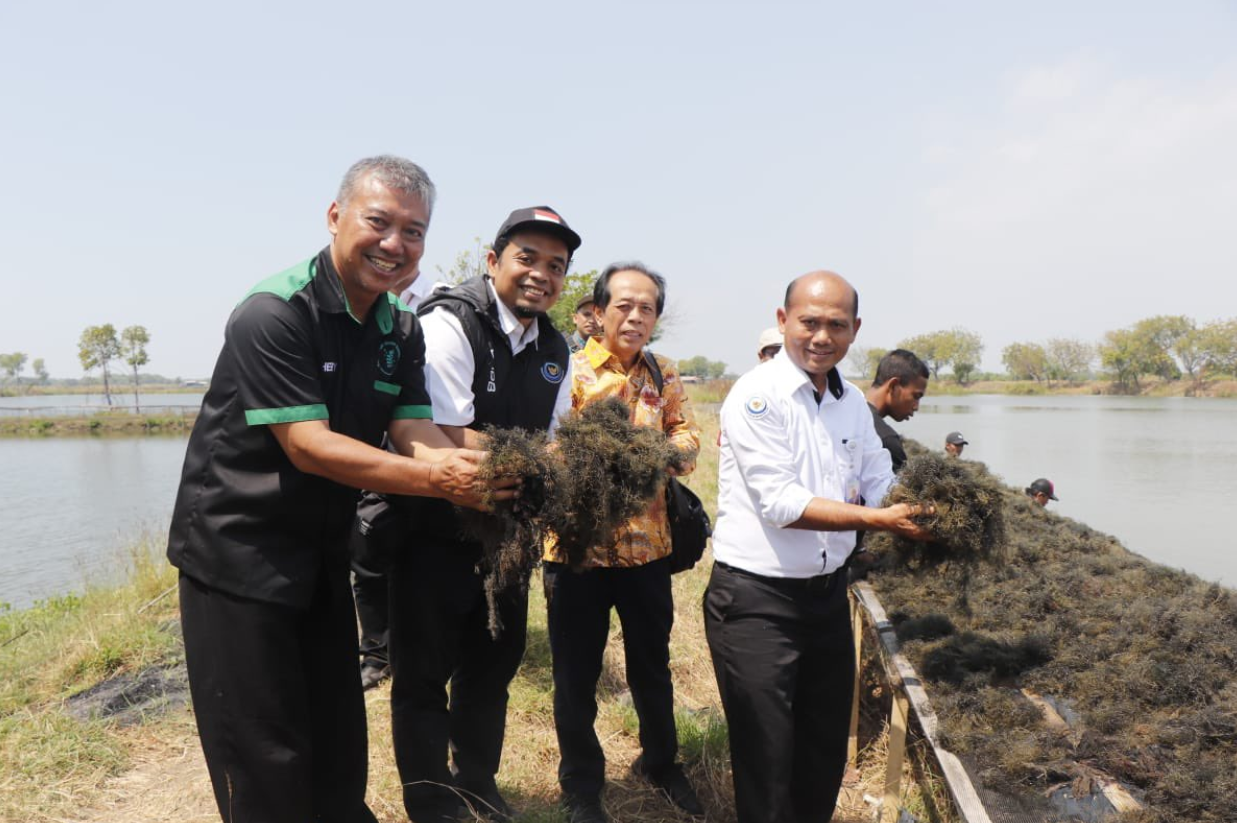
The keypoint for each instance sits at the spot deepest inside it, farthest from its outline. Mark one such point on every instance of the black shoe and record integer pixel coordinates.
(446, 811)
(486, 801)
(372, 675)
(673, 783)
(584, 808)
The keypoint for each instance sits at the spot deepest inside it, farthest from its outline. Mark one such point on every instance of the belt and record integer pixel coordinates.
(818, 583)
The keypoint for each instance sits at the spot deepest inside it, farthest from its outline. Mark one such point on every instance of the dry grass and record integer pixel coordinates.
(53, 769)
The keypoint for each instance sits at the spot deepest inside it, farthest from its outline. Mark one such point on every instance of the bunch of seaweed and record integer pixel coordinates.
(513, 531)
(603, 471)
(1144, 658)
(613, 469)
(963, 511)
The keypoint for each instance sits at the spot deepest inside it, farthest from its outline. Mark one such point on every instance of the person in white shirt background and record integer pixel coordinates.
(798, 454)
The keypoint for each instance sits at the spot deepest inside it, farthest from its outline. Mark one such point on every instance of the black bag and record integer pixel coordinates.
(690, 526)
(380, 531)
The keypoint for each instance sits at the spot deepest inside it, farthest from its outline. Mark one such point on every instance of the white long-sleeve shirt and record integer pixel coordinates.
(779, 449)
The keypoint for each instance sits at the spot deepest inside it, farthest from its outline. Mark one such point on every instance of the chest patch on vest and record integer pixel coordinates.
(553, 373)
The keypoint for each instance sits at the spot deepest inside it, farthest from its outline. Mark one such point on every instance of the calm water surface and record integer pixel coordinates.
(73, 505)
(1160, 474)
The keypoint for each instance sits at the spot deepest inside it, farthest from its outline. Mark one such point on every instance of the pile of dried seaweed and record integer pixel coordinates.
(966, 522)
(1143, 665)
(604, 471)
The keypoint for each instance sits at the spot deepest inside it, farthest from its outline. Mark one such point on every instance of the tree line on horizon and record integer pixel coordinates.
(1168, 347)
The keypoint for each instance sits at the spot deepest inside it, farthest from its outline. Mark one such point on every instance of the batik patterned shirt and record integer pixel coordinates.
(596, 375)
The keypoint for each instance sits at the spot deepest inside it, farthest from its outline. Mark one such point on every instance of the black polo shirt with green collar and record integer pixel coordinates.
(246, 520)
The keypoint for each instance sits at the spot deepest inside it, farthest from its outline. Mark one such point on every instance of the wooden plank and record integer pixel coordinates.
(856, 623)
(902, 676)
(894, 756)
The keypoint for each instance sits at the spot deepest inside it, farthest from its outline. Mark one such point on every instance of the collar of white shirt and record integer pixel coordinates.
(417, 291)
(510, 324)
(789, 378)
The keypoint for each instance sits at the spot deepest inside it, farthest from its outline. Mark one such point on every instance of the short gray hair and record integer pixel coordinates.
(393, 172)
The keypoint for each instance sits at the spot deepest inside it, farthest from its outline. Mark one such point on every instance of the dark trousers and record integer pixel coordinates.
(439, 635)
(784, 660)
(369, 590)
(579, 623)
(278, 703)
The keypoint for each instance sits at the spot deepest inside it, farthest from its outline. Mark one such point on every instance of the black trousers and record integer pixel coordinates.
(370, 591)
(439, 635)
(784, 660)
(579, 624)
(278, 703)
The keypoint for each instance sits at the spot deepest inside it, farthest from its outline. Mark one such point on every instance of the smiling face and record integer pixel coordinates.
(378, 237)
(629, 318)
(529, 275)
(819, 324)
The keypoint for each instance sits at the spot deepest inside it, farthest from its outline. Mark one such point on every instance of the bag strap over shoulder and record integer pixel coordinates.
(651, 362)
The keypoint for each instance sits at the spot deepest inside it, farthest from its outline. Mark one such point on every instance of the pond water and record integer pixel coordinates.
(1159, 474)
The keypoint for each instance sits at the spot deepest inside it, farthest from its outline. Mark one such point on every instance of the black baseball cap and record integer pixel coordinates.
(586, 300)
(956, 439)
(1043, 486)
(543, 217)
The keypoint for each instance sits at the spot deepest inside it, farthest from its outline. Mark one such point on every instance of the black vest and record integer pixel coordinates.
(508, 390)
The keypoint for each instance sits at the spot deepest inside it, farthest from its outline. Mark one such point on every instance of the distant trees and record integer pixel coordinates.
(1025, 361)
(958, 349)
(1069, 360)
(13, 364)
(468, 263)
(577, 285)
(865, 360)
(702, 367)
(40, 371)
(133, 342)
(96, 349)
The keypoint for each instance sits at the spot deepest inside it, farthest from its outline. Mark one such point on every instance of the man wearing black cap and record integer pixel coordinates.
(954, 443)
(492, 358)
(1041, 491)
(586, 324)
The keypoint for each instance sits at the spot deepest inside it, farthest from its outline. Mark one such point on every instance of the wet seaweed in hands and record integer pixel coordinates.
(966, 523)
(512, 533)
(613, 470)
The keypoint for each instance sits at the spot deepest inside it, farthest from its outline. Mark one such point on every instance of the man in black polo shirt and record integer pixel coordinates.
(901, 382)
(318, 363)
(493, 358)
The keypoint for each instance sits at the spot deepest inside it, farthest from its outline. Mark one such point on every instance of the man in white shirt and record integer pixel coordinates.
(492, 358)
(798, 454)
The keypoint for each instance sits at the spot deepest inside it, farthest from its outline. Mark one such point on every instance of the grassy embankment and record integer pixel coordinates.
(55, 768)
(102, 424)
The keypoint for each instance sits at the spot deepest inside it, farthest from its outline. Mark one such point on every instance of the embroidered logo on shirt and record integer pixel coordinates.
(388, 358)
(328, 367)
(756, 406)
(553, 373)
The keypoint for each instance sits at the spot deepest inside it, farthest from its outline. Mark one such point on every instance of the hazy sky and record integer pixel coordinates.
(1025, 171)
